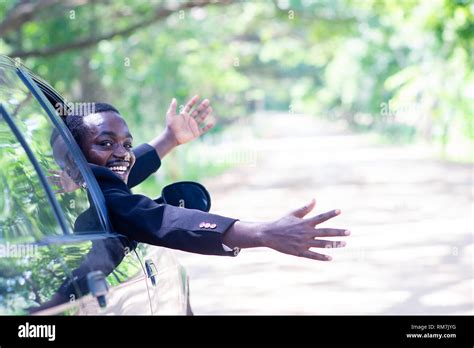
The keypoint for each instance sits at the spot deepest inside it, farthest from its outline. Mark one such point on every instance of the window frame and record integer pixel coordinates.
(95, 194)
(92, 185)
(54, 205)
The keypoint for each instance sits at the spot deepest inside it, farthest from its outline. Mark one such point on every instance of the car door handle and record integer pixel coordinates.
(98, 286)
(151, 271)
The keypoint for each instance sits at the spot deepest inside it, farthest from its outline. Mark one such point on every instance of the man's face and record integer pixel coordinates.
(108, 143)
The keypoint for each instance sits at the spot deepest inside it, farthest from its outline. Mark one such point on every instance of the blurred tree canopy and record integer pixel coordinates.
(400, 67)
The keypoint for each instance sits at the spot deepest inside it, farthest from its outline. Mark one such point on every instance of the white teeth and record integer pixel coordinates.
(120, 169)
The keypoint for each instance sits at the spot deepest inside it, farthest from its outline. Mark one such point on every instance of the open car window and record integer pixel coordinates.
(55, 160)
(25, 211)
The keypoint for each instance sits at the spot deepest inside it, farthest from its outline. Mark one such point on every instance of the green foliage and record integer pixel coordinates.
(345, 59)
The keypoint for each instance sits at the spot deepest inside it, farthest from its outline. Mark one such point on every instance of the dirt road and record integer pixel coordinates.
(410, 214)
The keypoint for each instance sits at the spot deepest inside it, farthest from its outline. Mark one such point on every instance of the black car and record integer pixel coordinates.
(46, 265)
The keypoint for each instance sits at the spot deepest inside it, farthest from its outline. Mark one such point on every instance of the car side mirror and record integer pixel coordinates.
(186, 194)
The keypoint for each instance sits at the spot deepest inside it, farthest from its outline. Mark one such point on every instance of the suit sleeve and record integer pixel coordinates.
(147, 162)
(142, 219)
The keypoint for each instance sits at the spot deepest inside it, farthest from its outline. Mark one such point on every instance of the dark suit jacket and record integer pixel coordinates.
(147, 162)
(142, 219)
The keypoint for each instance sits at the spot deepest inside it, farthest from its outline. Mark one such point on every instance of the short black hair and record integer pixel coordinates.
(75, 122)
(103, 107)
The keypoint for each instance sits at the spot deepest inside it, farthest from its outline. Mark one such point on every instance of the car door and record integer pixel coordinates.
(167, 281)
(30, 273)
(101, 271)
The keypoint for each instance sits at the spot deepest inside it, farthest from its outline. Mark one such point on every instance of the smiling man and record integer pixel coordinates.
(104, 139)
(107, 142)
(107, 145)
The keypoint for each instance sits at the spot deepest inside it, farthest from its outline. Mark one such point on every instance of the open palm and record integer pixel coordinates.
(187, 125)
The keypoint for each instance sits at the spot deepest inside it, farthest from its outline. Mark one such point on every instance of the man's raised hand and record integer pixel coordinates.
(189, 123)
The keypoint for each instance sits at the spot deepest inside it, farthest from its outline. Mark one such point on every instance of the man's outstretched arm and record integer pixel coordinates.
(290, 234)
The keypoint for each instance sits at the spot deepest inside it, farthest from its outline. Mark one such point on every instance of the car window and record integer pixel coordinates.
(41, 276)
(18, 178)
(30, 276)
(25, 211)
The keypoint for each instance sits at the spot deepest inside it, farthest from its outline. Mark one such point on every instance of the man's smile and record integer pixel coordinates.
(119, 167)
